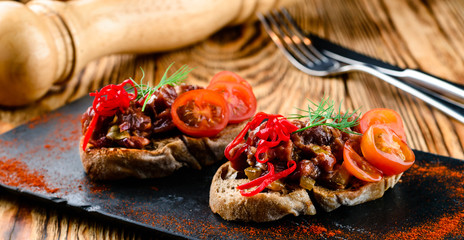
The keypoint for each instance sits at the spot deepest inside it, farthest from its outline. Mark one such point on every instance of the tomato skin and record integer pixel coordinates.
(241, 100)
(385, 150)
(383, 116)
(200, 113)
(227, 76)
(357, 165)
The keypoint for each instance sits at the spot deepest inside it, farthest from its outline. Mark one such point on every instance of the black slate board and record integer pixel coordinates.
(429, 196)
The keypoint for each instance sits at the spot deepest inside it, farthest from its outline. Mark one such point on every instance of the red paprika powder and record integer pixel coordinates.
(15, 173)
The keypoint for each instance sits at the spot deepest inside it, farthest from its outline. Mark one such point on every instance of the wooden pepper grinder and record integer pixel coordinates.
(44, 42)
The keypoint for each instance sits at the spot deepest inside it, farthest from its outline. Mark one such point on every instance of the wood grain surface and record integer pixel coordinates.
(424, 34)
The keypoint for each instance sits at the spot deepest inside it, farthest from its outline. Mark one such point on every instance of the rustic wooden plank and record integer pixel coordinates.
(8, 211)
(24, 224)
(418, 34)
(53, 230)
(431, 50)
(21, 219)
(384, 34)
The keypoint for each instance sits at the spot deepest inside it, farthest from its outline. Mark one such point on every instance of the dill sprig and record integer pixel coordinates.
(144, 91)
(324, 114)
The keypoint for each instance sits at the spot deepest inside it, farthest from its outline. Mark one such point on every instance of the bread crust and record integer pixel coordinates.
(330, 200)
(167, 156)
(226, 200)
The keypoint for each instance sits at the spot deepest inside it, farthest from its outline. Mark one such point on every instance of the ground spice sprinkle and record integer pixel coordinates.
(15, 173)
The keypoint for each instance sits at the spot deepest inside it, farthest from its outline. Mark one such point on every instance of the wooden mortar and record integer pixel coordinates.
(44, 43)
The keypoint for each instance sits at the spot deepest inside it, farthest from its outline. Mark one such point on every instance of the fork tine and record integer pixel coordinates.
(281, 40)
(296, 38)
(291, 42)
(298, 32)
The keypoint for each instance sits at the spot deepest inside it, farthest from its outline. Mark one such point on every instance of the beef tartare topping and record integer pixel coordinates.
(322, 148)
(133, 128)
(135, 115)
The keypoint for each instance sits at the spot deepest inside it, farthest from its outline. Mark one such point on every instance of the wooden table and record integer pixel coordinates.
(417, 34)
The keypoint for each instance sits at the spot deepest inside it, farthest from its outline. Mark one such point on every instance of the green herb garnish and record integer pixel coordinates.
(145, 92)
(324, 114)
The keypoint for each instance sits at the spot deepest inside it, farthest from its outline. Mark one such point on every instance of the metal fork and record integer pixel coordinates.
(298, 48)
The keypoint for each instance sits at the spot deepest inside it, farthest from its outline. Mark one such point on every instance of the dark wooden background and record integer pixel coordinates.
(425, 34)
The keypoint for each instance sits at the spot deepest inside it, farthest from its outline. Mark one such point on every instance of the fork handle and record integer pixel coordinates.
(446, 88)
(449, 107)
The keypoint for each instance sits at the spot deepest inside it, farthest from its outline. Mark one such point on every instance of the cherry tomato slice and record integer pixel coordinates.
(385, 150)
(357, 165)
(383, 116)
(241, 100)
(227, 76)
(200, 113)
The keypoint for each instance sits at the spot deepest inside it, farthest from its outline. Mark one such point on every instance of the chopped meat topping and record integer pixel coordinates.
(318, 152)
(134, 127)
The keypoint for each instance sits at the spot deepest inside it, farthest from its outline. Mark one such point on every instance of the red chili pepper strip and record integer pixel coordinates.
(240, 137)
(87, 135)
(277, 129)
(254, 123)
(264, 181)
(107, 102)
(263, 147)
(257, 182)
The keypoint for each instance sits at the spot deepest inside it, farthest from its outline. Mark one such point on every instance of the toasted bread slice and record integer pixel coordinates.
(167, 156)
(226, 200)
(332, 199)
